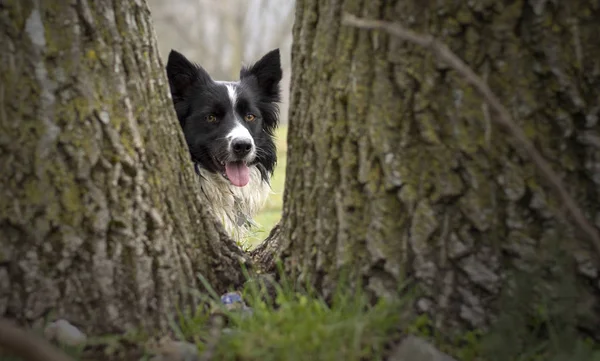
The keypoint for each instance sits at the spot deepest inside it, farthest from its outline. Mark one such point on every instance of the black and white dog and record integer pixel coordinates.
(229, 129)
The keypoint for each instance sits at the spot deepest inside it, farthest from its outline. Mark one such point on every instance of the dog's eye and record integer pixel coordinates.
(211, 118)
(249, 117)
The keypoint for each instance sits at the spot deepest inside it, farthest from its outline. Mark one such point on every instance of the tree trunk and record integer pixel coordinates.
(396, 172)
(100, 222)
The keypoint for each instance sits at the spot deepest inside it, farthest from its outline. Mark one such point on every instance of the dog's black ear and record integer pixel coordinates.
(183, 75)
(268, 73)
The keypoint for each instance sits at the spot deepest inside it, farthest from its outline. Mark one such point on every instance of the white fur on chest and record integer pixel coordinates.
(234, 205)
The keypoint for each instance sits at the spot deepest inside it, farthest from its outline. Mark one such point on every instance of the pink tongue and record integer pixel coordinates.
(238, 173)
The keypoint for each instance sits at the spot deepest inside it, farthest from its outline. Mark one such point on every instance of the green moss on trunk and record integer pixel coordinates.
(394, 168)
(100, 225)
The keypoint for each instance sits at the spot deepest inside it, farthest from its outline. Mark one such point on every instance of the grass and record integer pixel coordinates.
(271, 214)
(298, 325)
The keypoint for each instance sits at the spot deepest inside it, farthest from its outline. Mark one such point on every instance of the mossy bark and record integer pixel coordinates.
(396, 172)
(99, 219)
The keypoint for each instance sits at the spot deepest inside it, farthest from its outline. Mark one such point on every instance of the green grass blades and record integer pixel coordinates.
(305, 328)
(299, 325)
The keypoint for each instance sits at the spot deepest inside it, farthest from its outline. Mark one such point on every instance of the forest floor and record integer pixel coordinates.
(286, 321)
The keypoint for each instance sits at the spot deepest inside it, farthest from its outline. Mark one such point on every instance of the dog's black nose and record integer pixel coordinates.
(241, 147)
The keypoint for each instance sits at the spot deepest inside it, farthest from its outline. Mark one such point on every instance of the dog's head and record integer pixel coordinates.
(228, 126)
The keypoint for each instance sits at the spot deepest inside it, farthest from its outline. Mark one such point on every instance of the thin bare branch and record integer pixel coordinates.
(503, 117)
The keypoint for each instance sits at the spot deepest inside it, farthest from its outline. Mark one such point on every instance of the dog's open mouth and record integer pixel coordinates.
(237, 172)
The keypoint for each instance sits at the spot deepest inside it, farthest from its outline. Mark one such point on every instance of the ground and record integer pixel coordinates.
(271, 214)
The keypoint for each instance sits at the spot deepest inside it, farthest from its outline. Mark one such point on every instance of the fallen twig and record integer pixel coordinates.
(503, 117)
(27, 346)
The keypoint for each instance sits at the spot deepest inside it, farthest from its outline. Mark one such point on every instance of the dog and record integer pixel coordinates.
(229, 129)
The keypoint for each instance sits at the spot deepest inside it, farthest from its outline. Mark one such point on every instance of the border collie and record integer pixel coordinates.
(228, 127)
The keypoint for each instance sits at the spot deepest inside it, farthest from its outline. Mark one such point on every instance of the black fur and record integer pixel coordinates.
(196, 97)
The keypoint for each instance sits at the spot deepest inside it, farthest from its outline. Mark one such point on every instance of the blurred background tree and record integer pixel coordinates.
(221, 35)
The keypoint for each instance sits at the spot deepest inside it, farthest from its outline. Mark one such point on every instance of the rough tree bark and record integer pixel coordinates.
(396, 172)
(99, 219)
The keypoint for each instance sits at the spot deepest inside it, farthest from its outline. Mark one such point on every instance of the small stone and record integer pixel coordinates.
(416, 349)
(64, 333)
(176, 351)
